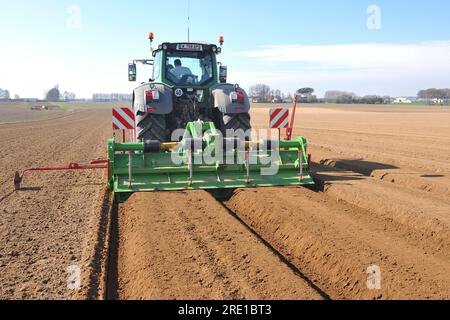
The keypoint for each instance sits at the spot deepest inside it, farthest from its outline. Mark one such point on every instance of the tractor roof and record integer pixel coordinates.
(189, 46)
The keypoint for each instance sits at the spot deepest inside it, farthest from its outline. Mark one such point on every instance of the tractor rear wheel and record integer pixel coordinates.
(239, 121)
(154, 127)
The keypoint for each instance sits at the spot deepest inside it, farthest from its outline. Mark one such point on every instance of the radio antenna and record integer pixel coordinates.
(189, 20)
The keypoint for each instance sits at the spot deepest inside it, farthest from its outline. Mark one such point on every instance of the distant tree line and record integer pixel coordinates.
(344, 97)
(52, 95)
(4, 94)
(55, 95)
(334, 95)
(435, 96)
(262, 93)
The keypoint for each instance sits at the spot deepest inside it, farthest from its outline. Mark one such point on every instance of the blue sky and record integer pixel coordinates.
(85, 46)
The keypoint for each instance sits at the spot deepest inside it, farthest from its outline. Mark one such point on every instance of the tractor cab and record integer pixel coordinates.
(184, 65)
(187, 84)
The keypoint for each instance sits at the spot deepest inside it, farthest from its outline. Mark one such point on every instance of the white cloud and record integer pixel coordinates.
(395, 69)
(358, 55)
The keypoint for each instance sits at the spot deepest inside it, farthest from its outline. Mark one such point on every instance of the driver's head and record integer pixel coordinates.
(178, 63)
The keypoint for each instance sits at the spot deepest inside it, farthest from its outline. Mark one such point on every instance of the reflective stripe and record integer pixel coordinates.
(283, 122)
(123, 118)
(279, 118)
(118, 125)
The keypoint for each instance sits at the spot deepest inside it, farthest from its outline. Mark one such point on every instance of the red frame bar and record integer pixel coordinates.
(92, 165)
(291, 126)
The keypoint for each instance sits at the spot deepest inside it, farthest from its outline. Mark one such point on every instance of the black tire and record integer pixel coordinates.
(179, 120)
(240, 121)
(154, 127)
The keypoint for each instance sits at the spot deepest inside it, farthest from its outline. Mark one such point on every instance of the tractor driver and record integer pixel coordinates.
(179, 71)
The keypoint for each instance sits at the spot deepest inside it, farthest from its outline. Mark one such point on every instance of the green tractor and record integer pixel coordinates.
(188, 84)
(193, 132)
(188, 93)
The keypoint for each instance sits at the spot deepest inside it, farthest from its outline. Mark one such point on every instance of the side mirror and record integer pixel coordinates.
(132, 73)
(223, 73)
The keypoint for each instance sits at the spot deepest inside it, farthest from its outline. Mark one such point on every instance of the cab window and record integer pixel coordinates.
(157, 66)
(189, 68)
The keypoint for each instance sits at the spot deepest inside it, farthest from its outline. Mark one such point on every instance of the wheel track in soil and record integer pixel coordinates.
(206, 254)
(333, 242)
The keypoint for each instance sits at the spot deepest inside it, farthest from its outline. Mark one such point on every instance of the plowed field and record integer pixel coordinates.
(380, 210)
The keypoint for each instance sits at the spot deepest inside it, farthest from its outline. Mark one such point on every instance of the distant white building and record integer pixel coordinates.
(438, 101)
(402, 101)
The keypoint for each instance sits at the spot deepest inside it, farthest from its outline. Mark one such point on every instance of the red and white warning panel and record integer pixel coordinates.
(123, 119)
(279, 118)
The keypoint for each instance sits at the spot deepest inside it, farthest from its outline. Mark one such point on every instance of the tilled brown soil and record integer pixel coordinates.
(46, 227)
(382, 200)
(186, 245)
(409, 146)
(334, 242)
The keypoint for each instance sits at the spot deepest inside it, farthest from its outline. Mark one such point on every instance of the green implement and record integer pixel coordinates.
(204, 160)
